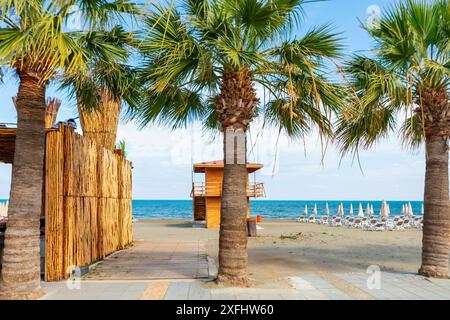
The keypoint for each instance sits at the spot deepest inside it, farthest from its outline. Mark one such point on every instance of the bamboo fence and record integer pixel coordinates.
(100, 124)
(88, 202)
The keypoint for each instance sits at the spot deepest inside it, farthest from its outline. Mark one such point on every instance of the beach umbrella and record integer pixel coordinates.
(368, 210)
(383, 210)
(403, 209)
(410, 209)
(327, 209)
(342, 209)
(360, 211)
(372, 211)
(315, 210)
(3, 209)
(306, 210)
(406, 209)
(422, 210)
(351, 209)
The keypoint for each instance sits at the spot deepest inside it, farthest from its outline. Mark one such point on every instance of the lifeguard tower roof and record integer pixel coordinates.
(201, 166)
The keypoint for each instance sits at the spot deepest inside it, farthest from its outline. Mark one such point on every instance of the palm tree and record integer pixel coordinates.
(36, 43)
(105, 84)
(409, 73)
(205, 61)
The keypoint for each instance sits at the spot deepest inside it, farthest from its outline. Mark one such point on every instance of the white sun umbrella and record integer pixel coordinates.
(351, 209)
(368, 210)
(422, 209)
(383, 210)
(410, 209)
(327, 209)
(3, 209)
(341, 209)
(406, 210)
(305, 211)
(388, 209)
(403, 210)
(315, 210)
(360, 211)
(372, 211)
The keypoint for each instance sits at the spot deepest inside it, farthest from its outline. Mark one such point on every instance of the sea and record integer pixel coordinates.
(268, 209)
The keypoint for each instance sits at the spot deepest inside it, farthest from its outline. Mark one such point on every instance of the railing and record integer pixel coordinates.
(214, 189)
(256, 190)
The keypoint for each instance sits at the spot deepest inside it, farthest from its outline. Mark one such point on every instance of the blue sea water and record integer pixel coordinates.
(269, 209)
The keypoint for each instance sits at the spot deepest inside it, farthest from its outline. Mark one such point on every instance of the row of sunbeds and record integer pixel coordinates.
(367, 223)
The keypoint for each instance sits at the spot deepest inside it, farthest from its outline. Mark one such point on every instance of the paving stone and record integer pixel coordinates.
(317, 282)
(196, 292)
(335, 294)
(222, 296)
(301, 284)
(269, 296)
(291, 296)
(155, 291)
(177, 291)
(247, 296)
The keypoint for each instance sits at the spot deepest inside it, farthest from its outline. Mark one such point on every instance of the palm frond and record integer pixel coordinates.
(411, 132)
(187, 49)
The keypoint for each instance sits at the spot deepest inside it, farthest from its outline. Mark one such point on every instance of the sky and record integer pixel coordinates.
(300, 170)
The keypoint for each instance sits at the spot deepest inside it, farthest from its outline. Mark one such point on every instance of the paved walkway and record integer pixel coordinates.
(314, 286)
(149, 260)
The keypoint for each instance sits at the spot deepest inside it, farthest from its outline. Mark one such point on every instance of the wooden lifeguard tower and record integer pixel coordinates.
(207, 194)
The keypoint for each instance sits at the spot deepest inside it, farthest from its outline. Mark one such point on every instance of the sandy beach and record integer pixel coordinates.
(286, 248)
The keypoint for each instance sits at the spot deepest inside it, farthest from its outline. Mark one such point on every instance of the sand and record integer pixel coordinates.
(286, 248)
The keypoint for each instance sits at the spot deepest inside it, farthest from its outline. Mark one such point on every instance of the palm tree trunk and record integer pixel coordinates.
(235, 106)
(436, 227)
(21, 257)
(233, 225)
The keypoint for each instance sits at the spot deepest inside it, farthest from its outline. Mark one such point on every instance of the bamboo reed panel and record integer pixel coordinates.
(100, 124)
(54, 241)
(51, 110)
(125, 211)
(88, 202)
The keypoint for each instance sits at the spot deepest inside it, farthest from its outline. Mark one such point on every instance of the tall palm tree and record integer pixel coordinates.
(409, 72)
(36, 43)
(205, 61)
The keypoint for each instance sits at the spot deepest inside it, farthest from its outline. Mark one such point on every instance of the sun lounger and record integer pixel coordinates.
(357, 223)
(406, 223)
(399, 225)
(418, 223)
(380, 226)
(390, 225)
(370, 225)
(337, 222)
